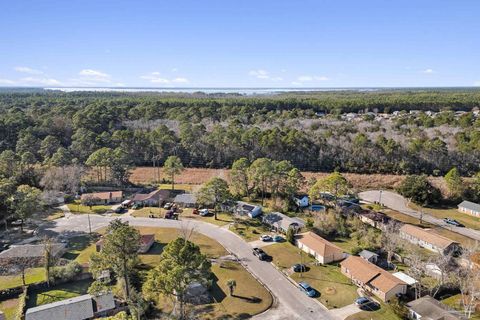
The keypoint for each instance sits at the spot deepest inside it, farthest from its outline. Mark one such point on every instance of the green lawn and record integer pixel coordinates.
(456, 303)
(222, 218)
(466, 219)
(80, 248)
(9, 308)
(345, 243)
(76, 207)
(249, 229)
(55, 215)
(384, 313)
(57, 293)
(31, 276)
(335, 289)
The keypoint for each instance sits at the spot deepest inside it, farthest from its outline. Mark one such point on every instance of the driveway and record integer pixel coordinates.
(399, 203)
(291, 303)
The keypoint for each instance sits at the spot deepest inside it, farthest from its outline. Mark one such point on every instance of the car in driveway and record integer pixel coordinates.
(307, 289)
(120, 210)
(168, 206)
(260, 254)
(362, 300)
(203, 212)
(265, 237)
(299, 267)
(277, 238)
(453, 222)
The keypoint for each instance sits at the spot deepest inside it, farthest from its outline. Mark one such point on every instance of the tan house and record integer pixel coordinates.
(372, 278)
(99, 198)
(428, 239)
(154, 198)
(323, 251)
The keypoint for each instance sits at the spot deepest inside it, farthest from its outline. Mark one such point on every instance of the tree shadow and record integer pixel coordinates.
(252, 299)
(217, 293)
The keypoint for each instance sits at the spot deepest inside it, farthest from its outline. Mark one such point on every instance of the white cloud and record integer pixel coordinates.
(477, 83)
(28, 70)
(155, 77)
(93, 76)
(264, 75)
(40, 81)
(6, 81)
(311, 78)
(296, 83)
(428, 71)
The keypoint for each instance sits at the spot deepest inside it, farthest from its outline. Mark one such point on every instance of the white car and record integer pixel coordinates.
(203, 212)
(266, 237)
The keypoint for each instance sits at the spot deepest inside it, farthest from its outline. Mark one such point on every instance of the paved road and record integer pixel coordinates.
(397, 202)
(290, 302)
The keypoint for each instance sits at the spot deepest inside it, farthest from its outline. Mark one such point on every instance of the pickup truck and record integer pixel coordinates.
(260, 254)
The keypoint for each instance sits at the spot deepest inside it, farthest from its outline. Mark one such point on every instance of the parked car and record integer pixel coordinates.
(299, 267)
(260, 254)
(453, 222)
(167, 206)
(265, 237)
(277, 238)
(195, 211)
(203, 212)
(307, 289)
(362, 301)
(120, 210)
(136, 206)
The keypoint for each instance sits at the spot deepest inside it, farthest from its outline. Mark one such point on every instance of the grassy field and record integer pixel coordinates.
(384, 313)
(335, 289)
(223, 218)
(31, 276)
(9, 308)
(76, 207)
(466, 219)
(456, 303)
(249, 229)
(466, 241)
(345, 243)
(57, 293)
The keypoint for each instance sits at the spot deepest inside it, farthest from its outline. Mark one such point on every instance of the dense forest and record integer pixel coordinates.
(390, 131)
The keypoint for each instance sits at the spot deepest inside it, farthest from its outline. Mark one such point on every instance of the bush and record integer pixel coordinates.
(67, 272)
(419, 190)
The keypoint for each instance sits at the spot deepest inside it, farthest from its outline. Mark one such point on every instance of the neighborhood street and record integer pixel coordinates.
(396, 202)
(290, 302)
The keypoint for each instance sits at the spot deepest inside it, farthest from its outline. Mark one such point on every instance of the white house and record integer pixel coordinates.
(469, 208)
(250, 210)
(301, 201)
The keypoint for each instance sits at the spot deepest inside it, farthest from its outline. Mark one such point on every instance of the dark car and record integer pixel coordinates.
(120, 210)
(299, 267)
(362, 301)
(260, 254)
(453, 222)
(307, 289)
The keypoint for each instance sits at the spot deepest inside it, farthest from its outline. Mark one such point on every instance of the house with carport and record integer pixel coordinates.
(322, 250)
(429, 239)
(281, 222)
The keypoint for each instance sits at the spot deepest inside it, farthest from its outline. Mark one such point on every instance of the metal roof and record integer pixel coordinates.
(470, 205)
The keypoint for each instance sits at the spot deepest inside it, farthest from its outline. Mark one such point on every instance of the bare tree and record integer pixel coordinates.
(416, 270)
(445, 265)
(391, 240)
(467, 277)
(66, 179)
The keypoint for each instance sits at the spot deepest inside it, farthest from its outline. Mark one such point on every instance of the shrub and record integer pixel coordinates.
(67, 272)
(22, 300)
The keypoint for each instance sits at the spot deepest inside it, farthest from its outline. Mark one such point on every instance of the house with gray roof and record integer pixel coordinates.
(33, 252)
(186, 200)
(77, 308)
(469, 208)
(281, 223)
(369, 256)
(427, 308)
(247, 209)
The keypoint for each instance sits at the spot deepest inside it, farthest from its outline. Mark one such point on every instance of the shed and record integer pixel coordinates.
(405, 278)
(369, 256)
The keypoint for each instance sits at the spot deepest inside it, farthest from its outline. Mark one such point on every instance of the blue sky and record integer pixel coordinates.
(243, 43)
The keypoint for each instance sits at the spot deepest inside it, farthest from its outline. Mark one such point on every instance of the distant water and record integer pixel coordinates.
(242, 91)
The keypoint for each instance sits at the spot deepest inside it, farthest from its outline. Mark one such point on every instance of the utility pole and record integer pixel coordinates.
(301, 263)
(89, 224)
(380, 198)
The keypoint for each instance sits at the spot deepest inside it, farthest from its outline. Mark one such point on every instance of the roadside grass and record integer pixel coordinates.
(9, 308)
(249, 229)
(384, 313)
(222, 217)
(466, 241)
(468, 220)
(55, 215)
(78, 208)
(32, 275)
(57, 293)
(335, 289)
(455, 302)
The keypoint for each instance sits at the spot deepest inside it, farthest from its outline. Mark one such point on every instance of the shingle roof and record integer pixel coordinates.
(282, 221)
(470, 205)
(31, 251)
(368, 273)
(103, 195)
(316, 243)
(429, 308)
(156, 194)
(185, 198)
(427, 235)
(367, 254)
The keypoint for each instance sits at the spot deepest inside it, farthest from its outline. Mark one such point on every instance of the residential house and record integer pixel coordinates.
(302, 200)
(281, 223)
(186, 200)
(372, 278)
(428, 239)
(146, 242)
(154, 198)
(375, 219)
(469, 208)
(33, 253)
(247, 209)
(99, 198)
(78, 308)
(322, 250)
(369, 256)
(428, 308)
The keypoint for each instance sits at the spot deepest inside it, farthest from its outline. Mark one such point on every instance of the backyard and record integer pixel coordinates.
(249, 229)
(57, 293)
(9, 308)
(455, 302)
(78, 208)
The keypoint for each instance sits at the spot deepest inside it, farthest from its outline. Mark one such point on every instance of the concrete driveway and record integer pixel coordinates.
(398, 203)
(291, 303)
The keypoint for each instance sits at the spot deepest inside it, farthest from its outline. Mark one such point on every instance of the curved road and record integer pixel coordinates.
(292, 304)
(399, 203)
